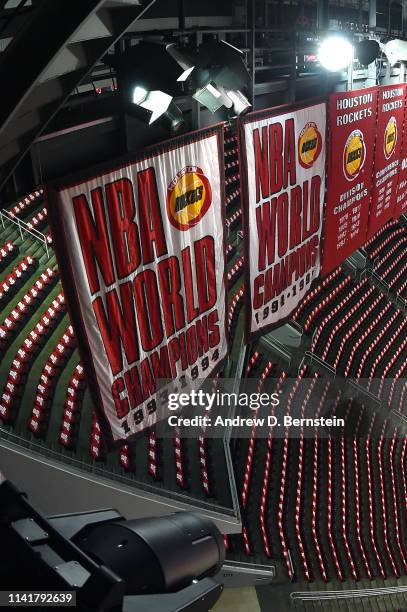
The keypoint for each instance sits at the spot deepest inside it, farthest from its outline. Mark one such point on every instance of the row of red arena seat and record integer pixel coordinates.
(233, 219)
(69, 430)
(127, 458)
(232, 152)
(38, 220)
(7, 252)
(23, 205)
(384, 259)
(16, 278)
(25, 357)
(314, 294)
(97, 443)
(12, 323)
(235, 271)
(232, 197)
(340, 307)
(234, 309)
(384, 237)
(203, 450)
(326, 301)
(38, 423)
(46, 384)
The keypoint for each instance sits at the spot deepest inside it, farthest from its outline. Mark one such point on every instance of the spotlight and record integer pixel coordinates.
(159, 105)
(240, 103)
(139, 94)
(148, 88)
(215, 75)
(212, 97)
(335, 53)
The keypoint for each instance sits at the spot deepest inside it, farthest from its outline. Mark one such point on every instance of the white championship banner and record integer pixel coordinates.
(141, 254)
(283, 176)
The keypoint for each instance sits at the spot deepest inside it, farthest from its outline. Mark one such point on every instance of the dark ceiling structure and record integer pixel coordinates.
(64, 55)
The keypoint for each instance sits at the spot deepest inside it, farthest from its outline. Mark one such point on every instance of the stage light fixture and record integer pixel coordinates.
(214, 75)
(151, 74)
(335, 53)
(212, 97)
(148, 88)
(240, 103)
(157, 102)
(366, 51)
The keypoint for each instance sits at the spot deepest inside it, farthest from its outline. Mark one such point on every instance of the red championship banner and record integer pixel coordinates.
(390, 117)
(352, 126)
(400, 207)
(283, 176)
(141, 254)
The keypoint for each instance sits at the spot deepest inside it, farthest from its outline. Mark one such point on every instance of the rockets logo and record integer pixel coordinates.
(390, 137)
(309, 145)
(189, 197)
(354, 155)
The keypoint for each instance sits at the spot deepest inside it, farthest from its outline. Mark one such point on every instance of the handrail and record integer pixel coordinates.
(399, 415)
(114, 477)
(385, 288)
(309, 357)
(22, 226)
(275, 345)
(346, 594)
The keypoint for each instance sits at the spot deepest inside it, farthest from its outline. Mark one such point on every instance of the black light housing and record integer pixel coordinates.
(367, 51)
(156, 555)
(146, 76)
(216, 74)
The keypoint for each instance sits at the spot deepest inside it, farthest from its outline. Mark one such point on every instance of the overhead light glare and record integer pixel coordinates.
(139, 94)
(335, 53)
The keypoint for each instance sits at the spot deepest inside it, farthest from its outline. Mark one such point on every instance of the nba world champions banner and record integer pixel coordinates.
(352, 127)
(389, 132)
(141, 254)
(283, 178)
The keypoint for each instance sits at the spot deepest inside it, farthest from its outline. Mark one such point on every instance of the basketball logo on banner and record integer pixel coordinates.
(354, 155)
(390, 137)
(352, 129)
(387, 163)
(189, 198)
(309, 145)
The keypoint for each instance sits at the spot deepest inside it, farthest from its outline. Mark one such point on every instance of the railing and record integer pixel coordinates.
(399, 415)
(81, 466)
(23, 227)
(348, 594)
(385, 288)
(275, 345)
(311, 358)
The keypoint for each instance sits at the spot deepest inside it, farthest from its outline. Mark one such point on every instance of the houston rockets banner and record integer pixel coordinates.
(389, 130)
(283, 178)
(352, 127)
(400, 207)
(141, 252)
